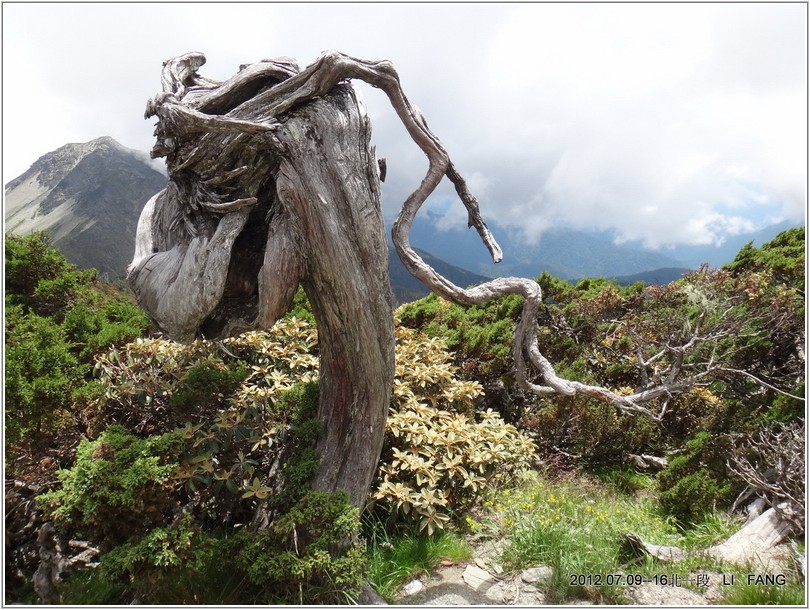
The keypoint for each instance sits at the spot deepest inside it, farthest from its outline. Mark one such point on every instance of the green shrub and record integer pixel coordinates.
(440, 457)
(595, 432)
(782, 258)
(302, 462)
(93, 328)
(38, 277)
(306, 556)
(42, 372)
(119, 489)
(206, 383)
(177, 564)
(125, 494)
(482, 334)
(57, 319)
(697, 481)
(155, 567)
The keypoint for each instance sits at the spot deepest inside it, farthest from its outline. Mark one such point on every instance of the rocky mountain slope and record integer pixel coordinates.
(88, 196)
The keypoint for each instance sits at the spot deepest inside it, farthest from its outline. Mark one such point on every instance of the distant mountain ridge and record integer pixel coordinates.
(88, 196)
(572, 254)
(717, 256)
(656, 277)
(562, 252)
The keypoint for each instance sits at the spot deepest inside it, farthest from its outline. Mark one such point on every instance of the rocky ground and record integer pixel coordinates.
(483, 582)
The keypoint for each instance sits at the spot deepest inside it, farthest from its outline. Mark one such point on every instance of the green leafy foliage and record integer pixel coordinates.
(730, 333)
(243, 430)
(42, 371)
(301, 308)
(204, 382)
(57, 319)
(194, 476)
(38, 277)
(119, 488)
(94, 327)
(782, 259)
(698, 480)
(166, 508)
(439, 458)
(302, 558)
(155, 384)
(149, 564)
(482, 333)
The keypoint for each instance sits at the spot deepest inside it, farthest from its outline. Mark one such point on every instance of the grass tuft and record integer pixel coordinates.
(393, 560)
(744, 594)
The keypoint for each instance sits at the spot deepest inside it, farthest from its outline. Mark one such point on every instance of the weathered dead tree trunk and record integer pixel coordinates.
(249, 215)
(272, 185)
(335, 206)
(758, 544)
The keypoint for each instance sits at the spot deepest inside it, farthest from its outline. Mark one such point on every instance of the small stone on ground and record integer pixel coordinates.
(477, 579)
(539, 575)
(413, 587)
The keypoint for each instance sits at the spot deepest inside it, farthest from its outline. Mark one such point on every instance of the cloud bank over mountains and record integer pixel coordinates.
(663, 123)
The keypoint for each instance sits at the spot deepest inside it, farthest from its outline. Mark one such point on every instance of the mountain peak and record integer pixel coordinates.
(88, 196)
(52, 167)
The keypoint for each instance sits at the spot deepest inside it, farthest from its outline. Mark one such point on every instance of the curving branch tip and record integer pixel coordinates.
(189, 103)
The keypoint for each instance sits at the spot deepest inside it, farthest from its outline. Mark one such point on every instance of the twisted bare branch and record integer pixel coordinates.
(772, 462)
(191, 104)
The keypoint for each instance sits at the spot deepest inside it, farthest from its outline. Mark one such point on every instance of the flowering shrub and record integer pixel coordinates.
(439, 456)
(226, 401)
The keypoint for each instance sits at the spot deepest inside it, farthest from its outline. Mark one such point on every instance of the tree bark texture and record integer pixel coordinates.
(249, 215)
(272, 184)
(329, 183)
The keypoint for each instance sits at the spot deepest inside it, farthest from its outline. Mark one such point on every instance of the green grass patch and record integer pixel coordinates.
(715, 528)
(578, 527)
(395, 559)
(626, 480)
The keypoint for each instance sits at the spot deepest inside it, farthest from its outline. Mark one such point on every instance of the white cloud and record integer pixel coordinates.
(667, 123)
(647, 107)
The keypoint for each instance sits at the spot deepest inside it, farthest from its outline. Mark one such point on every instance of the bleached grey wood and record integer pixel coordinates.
(272, 184)
(257, 205)
(756, 544)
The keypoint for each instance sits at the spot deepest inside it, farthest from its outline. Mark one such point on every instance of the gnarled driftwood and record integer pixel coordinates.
(272, 184)
(756, 544)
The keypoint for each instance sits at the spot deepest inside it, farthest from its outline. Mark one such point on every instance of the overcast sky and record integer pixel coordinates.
(665, 123)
